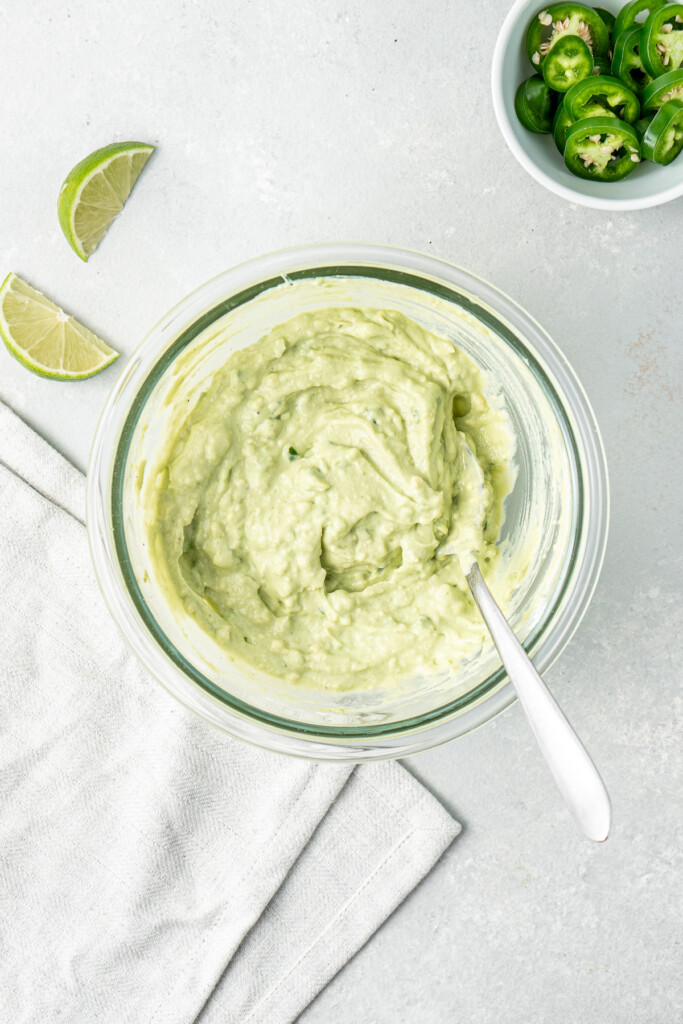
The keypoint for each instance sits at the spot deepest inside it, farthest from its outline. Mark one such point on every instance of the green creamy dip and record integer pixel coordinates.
(301, 510)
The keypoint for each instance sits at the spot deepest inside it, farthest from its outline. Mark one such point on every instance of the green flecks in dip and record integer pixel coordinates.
(299, 513)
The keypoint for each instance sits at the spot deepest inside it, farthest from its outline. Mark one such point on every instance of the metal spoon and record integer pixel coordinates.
(576, 776)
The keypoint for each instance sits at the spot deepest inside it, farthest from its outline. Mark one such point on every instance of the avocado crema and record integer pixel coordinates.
(300, 510)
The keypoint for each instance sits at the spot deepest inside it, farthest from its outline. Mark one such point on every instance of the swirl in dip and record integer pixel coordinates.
(301, 511)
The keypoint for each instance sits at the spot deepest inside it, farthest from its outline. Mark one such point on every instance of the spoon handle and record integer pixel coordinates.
(575, 774)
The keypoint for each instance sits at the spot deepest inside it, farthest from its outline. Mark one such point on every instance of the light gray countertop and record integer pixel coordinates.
(284, 123)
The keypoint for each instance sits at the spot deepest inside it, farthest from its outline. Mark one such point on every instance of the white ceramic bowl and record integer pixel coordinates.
(649, 185)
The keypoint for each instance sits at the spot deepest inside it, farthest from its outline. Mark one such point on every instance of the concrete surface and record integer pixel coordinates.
(283, 123)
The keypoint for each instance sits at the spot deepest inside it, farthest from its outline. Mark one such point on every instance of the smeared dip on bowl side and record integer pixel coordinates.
(297, 510)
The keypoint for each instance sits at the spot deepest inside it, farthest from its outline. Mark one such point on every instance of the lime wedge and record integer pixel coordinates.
(46, 339)
(94, 193)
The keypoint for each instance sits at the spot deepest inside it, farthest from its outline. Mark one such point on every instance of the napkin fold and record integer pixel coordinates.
(153, 869)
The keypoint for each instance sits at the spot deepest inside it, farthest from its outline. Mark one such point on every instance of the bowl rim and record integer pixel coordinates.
(350, 743)
(518, 151)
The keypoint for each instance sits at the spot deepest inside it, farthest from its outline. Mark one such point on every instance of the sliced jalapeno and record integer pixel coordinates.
(661, 40)
(601, 149)
(607, 17)
(565, 19)
(626, 63)
(641, 126)
(561, 123)
(534, 104)
(666, 87)
(601, 66)
(628, 15)
(568, 62)
(663, 138)
(600, 96)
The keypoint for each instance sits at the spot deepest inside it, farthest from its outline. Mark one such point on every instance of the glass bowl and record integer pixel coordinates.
(557, 511)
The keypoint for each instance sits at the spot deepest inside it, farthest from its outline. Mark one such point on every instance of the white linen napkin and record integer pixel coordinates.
(153, 869)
